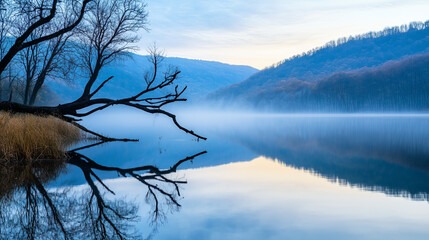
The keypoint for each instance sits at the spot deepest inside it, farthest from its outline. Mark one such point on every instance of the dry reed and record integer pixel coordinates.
(29, 137)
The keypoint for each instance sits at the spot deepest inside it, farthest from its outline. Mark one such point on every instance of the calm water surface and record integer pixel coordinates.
(270, 176)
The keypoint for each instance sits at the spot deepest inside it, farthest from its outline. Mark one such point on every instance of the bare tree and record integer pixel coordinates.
(8, 76)
(39, 61)
(29, 59)
(41, 13)
(54, 64)
(106, 33)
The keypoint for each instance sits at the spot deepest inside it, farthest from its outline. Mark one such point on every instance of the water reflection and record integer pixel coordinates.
(265, 199)
(30, 210)
(388, 154)
(301, 189)
(311, 183)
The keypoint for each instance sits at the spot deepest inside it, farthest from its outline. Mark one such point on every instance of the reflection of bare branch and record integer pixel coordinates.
(144, 174)
(51, 205)
(33, 212)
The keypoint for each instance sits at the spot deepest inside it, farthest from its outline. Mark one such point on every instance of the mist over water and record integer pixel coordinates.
(349, 147)
(330, 170)
(269, 175)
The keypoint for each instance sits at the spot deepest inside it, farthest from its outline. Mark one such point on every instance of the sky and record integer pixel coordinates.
(261, 33)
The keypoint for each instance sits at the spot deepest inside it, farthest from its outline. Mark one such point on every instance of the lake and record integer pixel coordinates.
(258, 176)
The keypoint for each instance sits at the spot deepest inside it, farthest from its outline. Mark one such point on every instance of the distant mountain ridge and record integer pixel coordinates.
(201, 77)
(289, 77)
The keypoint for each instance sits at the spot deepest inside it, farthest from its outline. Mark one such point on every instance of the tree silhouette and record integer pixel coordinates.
(102, 32)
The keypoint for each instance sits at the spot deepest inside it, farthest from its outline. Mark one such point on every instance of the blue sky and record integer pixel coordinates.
(260, 33)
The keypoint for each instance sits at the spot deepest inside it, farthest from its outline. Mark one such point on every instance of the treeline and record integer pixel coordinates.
(394, 86)
(414, 26)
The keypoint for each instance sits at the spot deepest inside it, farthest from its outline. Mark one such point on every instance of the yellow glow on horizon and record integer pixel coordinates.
(261, 34)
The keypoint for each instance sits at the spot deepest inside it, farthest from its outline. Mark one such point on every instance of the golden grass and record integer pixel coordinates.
(29, 137)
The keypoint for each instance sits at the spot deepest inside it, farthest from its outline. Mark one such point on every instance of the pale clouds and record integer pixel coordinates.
(260, 33)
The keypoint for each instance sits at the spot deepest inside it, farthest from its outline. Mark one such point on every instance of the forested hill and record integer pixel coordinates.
(364, 51)
(200, 77)
(394, 86)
